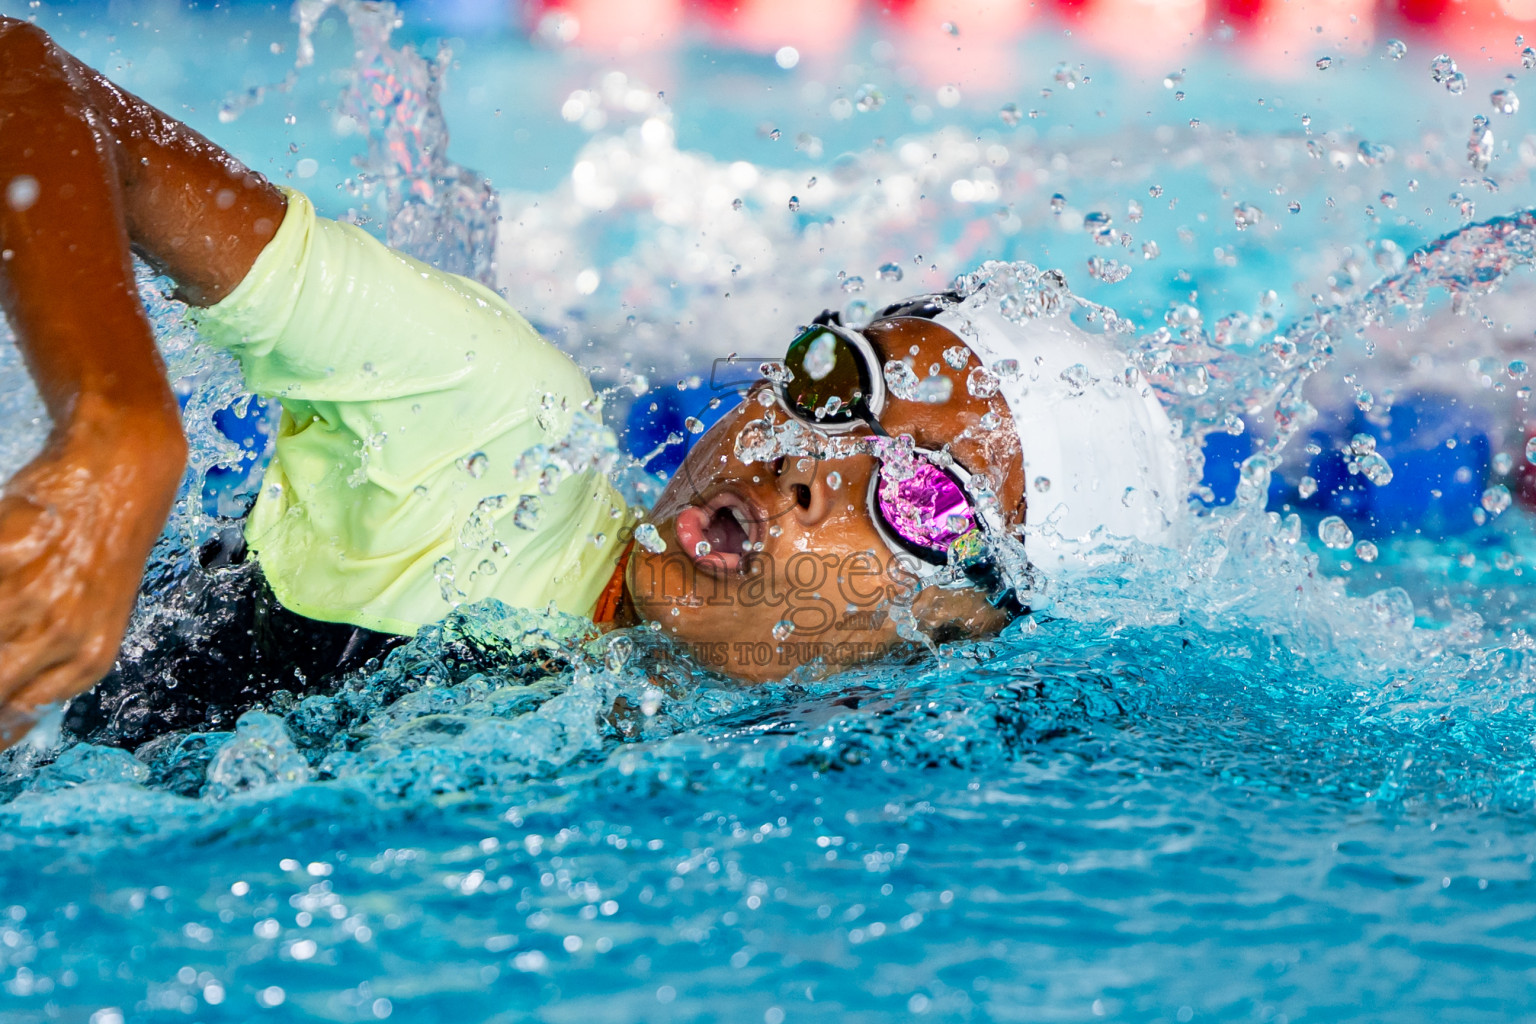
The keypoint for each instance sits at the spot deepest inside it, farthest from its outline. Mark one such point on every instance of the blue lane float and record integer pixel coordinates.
(1438, 447)
(664, 413)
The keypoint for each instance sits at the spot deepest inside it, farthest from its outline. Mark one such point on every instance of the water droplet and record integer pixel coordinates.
(1372, 154)
(1058, 203)
(1366, 551)
(702, 548)
(526, 515)
(900, 379)
(1504, 101)
(474, 463)
(868, 99)
(934, 390)
(1155, 191)
(1010, 114)
(821, 357)
(1077, 376)
(1517, 369)
(694, 425)
(982, 382)
(649, 538)
(1293, 206)
(1109, 271)
(1503, 463)
(1389, 200)
(1133, 212)
(1456, 83)
(775, 135)
(1335, 533)
(22, 192)
(957, 356)
(794, 203)
(1528, 57)
(1042, 484)
(486, 567)
(776, 372)
(737, 204)
(1245, 215)
(1306, 487)
(1375, 469)
(1396, 49)
(1324, 63)
(889, 272)
(1150, 251)
(1065, 75)
(1389, 256)
(442, 572)
(835, 480)
(1094, 222)
(853, 284)
(1530, 451)
(1496, 499)
(1480, 144)
(783, 629)
(1442, 67)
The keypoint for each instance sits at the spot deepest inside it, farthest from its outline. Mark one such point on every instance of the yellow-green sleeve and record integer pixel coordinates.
(420, 413)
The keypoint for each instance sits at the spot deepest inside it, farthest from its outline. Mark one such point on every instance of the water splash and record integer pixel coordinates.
(434, 209)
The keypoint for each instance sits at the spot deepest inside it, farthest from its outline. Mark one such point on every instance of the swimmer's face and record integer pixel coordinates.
(791, 541)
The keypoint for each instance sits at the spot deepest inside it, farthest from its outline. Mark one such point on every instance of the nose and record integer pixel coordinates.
(803, 480)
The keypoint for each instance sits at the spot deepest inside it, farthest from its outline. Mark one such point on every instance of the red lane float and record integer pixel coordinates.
(609, 26)
(1142, 33)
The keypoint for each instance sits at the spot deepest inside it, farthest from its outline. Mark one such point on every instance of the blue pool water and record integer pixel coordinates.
(1258, 779)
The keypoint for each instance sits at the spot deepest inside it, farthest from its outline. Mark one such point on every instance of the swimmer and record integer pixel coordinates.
(434, 450)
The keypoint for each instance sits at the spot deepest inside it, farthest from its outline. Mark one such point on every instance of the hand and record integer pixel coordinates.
(76, 527)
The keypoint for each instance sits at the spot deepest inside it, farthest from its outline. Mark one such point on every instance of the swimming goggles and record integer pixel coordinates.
(920, 500)
(835, 380)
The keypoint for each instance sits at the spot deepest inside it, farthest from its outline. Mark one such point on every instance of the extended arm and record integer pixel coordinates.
(86, 172)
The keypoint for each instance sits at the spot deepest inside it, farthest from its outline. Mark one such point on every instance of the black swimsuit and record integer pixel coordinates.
(219, 644)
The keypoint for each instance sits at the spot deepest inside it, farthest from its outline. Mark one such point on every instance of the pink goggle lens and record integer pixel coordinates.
(928, 510)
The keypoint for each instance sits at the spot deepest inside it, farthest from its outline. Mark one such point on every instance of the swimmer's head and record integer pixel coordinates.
(819, 516)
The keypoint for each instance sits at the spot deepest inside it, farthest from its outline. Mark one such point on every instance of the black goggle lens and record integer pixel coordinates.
(829, 381)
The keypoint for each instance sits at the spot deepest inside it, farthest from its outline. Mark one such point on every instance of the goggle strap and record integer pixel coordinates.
(999, 595)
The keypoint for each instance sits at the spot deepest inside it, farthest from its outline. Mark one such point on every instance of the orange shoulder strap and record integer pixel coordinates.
(612, 597)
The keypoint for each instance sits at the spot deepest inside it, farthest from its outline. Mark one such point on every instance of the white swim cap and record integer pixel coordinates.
(1101, 465)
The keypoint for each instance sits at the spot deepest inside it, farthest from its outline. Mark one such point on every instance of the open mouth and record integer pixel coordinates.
(720, 534)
